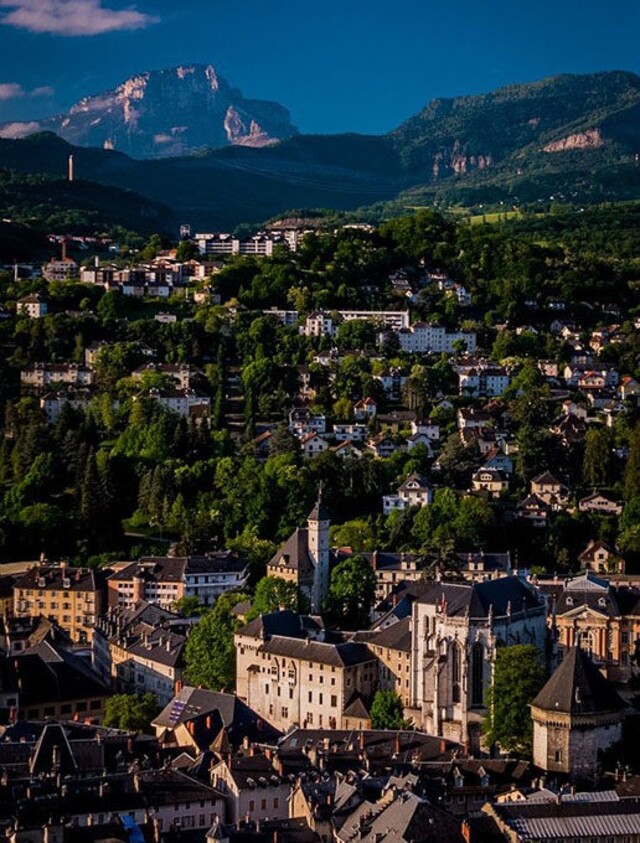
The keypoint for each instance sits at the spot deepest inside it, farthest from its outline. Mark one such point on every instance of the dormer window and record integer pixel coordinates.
(569, 601)
(602, 601)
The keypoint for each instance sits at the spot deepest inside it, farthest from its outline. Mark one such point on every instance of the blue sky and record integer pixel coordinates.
(338, 65)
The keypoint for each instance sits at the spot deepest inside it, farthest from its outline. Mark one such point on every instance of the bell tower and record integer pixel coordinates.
(318, 545)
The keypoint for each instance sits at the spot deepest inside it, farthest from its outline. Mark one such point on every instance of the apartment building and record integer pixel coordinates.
(423, 338)
(162, 580)
(71, 597)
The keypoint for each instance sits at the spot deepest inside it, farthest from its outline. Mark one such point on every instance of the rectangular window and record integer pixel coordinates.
(276, 802)
(263, 804)
(252, 805)
(310, 696)
(334, 701)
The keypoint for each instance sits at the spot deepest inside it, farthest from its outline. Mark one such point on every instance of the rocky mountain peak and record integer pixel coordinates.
(162, 113)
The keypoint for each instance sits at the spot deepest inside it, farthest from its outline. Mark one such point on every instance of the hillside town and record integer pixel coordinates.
(312, 536)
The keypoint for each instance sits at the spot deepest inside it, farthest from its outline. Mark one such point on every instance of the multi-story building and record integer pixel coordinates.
(34, 306)
(290, 676)
(140, 650)
(53, 402)
(207, 577)
(60, 270)
(72, 597)
(252, 787)
(182, 373)
(159, 580)
(184, 402)
(321, 324)
(455, 631)
(601, 618)
(415, 491)
(43, 374)
(162, 580)
(423, 338)
(483, 381)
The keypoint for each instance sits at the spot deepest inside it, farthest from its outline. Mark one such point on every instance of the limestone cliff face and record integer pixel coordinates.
(168, 112)
(456, 160)
(590, 139)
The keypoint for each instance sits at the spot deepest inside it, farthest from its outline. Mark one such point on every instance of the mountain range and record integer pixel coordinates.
(569, 137)
(164, 113)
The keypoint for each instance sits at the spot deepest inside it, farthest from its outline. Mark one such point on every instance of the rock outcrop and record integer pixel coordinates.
(165, 113)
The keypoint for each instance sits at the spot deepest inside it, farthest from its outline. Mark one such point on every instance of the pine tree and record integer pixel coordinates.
(632, 471)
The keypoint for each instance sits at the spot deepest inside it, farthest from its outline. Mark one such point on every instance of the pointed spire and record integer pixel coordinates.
(319, 511)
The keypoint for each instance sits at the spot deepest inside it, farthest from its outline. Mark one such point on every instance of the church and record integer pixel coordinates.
(305, 557)
(456, 628)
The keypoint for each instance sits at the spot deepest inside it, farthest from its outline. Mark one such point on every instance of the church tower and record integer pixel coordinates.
(318, 546)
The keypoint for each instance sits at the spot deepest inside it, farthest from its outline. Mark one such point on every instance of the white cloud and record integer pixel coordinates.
(12, 131)
(10, 91)
(44, 91)
(71, 17)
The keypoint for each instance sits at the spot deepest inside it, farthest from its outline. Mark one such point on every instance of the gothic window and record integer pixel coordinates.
(456, 672)
(477, 661)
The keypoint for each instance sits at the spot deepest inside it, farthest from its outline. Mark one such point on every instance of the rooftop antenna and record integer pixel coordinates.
(70, 173)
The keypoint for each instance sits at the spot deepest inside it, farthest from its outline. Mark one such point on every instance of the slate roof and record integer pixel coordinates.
(226, 711)
(294, 554)
(285, 623)
(154, 569)
(52, 577)
(407, 817)
(48, 674)
(578, 687)
(571, 820)
(394, 637)
(335, 655)
(479, 599)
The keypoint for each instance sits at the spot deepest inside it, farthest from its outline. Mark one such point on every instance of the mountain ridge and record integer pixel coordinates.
(570, 137)
(165, 113)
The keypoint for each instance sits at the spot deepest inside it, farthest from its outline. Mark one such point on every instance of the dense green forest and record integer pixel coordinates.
(125, 475)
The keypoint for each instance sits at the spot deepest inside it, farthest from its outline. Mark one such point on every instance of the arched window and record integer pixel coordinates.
(456, 672)
(477, 664)
(586, 641)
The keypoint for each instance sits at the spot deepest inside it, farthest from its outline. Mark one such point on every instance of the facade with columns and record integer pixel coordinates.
(456, 628)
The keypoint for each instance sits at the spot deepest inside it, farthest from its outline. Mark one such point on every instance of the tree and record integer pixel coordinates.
(188, 606)
(632, 471)
(132, 712)
(273, 593)
(597, 457)
(210, 654)
(518, 676)
(357, 534)
(352, 593)
(387, 711)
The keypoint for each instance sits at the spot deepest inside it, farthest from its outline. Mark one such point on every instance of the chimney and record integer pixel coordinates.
(443, 745)
(361, 740)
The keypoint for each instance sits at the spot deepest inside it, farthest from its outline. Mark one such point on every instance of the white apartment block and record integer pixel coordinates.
(422, 338)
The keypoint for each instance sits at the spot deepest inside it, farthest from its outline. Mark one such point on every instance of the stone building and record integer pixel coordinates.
(601, 618)
(305, 557)
(290, 675)
(577, 714)
(455, 630)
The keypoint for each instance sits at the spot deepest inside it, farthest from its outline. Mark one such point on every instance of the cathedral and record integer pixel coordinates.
(455, 629)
